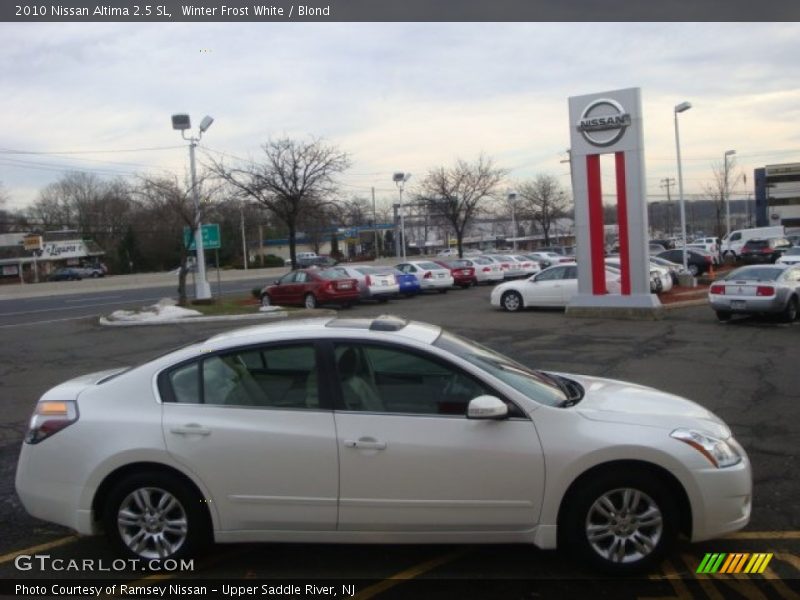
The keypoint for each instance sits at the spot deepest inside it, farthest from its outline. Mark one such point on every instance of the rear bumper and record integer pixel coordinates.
(751, 304)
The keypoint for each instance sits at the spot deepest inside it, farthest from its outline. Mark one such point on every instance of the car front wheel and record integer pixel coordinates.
(154, 516)
(511, 301)
(265, 301)
(620, 522)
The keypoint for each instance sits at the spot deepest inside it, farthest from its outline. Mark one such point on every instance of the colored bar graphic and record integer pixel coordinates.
(740, 562)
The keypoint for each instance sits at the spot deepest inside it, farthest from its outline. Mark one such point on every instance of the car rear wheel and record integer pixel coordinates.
(790, 312)
(310, 301)
(155, 516)
(511, 301)
(723, 315)
(620, 522)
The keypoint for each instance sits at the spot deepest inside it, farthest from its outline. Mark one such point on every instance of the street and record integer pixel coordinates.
(744, 371)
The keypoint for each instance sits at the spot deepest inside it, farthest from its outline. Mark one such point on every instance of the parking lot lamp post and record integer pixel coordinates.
(202, 290)
(400, 179)
(679, 108)
(512, 201)
(726, 193)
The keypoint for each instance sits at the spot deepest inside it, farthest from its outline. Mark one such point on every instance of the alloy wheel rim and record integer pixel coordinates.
(624, 525)
(310, 302)
(152, 523)
(511, 302)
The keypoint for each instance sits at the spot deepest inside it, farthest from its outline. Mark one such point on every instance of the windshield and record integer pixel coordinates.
(536, 385)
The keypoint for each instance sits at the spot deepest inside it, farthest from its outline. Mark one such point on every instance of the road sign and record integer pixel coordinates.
(211, 237)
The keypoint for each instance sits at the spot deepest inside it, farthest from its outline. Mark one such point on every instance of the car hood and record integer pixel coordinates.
(70, 390)
(623, 402)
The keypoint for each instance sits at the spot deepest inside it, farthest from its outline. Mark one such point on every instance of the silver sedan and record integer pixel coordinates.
(757, 289)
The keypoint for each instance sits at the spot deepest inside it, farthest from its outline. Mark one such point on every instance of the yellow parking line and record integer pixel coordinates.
(410, 573)
(764, 535)
(40, 548)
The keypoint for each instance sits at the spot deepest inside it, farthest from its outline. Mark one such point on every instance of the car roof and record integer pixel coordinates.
(325, 327)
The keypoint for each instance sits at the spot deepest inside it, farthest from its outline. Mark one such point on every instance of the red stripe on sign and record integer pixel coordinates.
(622, 221)
(596, 230)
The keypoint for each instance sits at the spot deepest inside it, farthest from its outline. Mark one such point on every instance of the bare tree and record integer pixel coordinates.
(171, 209)
(543, 200)
(296, 176)
(459, 193)
(724, 181)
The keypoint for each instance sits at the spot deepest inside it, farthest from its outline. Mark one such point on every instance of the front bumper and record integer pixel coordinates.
(724, 500)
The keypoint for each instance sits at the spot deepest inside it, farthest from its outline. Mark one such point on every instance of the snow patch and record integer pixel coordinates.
(163, 310)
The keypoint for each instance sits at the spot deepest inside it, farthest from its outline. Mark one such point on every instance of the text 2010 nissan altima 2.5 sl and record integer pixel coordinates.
(377, 431)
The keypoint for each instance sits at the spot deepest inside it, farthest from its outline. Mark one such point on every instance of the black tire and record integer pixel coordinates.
(511, 301)
(265, 300)
(789, 313)
(444, 291)
(383, 299)
(633, 494)
(310, 301)
(95, 275)
(724, 315)
(188, 538)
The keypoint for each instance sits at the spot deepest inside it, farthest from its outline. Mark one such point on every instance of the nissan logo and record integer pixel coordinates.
(603, 122)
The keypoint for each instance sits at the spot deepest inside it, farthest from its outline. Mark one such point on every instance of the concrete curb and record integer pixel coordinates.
(276, 315)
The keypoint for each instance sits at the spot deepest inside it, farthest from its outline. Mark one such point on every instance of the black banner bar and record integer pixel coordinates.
(135, 11)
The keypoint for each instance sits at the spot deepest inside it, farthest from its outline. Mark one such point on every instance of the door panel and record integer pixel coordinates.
(438, 473)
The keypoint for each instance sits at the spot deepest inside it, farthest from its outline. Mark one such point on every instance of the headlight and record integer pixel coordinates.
(719, 452)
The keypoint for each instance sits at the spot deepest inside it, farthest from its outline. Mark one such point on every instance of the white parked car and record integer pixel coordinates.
(660, 275)
(374, 282)
(511, 267)
(554, 286)
(377, 431)
(487, 270)
(529, 266)
(431, 276)
(790, 257)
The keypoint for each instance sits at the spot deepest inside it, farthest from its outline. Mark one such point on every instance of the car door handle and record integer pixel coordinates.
(365, 444)
(191, 429)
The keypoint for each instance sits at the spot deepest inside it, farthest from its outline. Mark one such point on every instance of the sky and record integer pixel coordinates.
(395, 96)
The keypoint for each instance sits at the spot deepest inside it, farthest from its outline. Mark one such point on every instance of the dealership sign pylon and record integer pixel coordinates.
(610, 123)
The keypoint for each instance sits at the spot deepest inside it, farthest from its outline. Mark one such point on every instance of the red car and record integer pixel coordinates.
(463, 274)
(310, 288)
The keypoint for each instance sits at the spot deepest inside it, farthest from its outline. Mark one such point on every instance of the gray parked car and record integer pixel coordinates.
(374, 282)
(757, 289)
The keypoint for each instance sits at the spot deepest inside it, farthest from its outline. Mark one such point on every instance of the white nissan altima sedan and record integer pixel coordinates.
(377, 431)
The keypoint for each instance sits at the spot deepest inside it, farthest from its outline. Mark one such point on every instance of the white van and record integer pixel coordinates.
(734, 242)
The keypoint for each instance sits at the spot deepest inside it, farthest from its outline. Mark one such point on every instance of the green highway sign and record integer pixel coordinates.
(211, 239)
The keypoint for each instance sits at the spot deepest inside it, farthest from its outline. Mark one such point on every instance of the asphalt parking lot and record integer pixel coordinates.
(744, 371)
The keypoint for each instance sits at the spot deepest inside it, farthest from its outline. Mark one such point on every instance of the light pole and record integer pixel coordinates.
(679, 108)
(727, 193)
(400, 179)
(512, 201)
(202, 291)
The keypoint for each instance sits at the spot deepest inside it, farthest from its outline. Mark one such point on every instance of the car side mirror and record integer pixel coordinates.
(487, 407)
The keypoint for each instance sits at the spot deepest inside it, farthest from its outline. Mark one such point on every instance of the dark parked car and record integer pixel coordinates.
(65, 274)
(766, 250)
(310, 288)
(697, 261)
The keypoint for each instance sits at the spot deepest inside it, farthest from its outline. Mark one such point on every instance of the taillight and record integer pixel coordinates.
(50, 417)
(708, 259)
(718, 289)
(766, 250)
(328, 286)
(504, 266)
(428, 275)
(487, 270)
(765, 290)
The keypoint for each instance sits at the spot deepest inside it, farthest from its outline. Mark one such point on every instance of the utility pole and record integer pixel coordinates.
(375, 222)
(667, 182)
